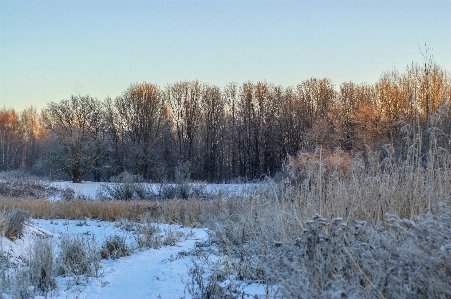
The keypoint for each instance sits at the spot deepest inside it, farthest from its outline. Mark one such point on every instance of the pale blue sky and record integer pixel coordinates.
(50, 50)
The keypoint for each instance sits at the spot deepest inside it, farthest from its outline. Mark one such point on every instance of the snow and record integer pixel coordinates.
(89, 190)
(147, 274)
(152, 273)
(85, 189)
(100, 230)
(18, 250)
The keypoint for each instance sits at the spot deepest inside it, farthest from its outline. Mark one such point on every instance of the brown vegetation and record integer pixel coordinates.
(333, 185)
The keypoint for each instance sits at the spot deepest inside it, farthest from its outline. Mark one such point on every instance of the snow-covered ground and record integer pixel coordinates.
(145, 274)
(89, 190)
(150, 273)
(161, 272)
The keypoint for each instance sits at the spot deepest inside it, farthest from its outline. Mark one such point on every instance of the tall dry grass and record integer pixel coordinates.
(335, 185)
(384, 230)
(352, 188)
(185, 212)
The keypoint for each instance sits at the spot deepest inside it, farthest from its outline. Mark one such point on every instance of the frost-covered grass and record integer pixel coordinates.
(384, 232)
(66, 258)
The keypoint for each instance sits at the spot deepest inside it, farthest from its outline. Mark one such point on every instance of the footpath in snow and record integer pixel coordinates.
(148, 274)
(151, 273)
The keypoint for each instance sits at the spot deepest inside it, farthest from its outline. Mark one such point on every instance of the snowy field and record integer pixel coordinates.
(90, 190)
(164, 270)
(150, 273)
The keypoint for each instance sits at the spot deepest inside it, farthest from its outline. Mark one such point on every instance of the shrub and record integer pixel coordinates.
(78, 256)
(19, 284)
(127, 225)
(33, 277)
(4, 265)
(148, 236)
(126, 186)
(68, 194)
(172, 237)
(114, 247)
(333, 259)
(42, 266)
(15, 185)
(171, 191)
(181, 191)
(14, 223)
(206, 282)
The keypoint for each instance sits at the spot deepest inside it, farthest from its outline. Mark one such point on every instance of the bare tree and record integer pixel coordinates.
(213, 119)
(184, 99)
(140, 120)
(32, 131)
(75, 126)
(9, 139)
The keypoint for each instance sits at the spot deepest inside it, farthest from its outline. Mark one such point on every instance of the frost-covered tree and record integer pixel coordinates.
(75, 126)
(138, 125)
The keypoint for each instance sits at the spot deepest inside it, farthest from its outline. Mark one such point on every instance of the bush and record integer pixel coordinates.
(394, 242)
(171, 191)
(42, 267)
(20, 185)
(14, 223)
(172, 237)
(34, 277)
(148, 236)
(19, 284)
(4, 265)
(333, 259)
(114, 248)
(127, 225)
(181, 191)
(126, 186)
(68, 194)
(78, 256)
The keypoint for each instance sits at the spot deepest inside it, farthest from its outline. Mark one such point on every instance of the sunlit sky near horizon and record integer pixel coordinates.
(50, 50)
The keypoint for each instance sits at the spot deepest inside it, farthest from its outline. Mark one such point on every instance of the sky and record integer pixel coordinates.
(50, 50)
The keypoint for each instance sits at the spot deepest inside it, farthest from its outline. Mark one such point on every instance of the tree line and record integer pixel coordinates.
(203, 132)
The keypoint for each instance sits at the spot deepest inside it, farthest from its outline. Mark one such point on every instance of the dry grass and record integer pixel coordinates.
(81, 209)
(190, 212)
(185, 212)
(385, 231)
(328, 189)
(354, 189)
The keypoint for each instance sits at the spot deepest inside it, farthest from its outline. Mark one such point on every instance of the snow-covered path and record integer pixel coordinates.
(148, 274)
(151, 273)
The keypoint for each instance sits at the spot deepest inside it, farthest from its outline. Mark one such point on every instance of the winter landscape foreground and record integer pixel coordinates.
(332, 228)
(143, 272)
